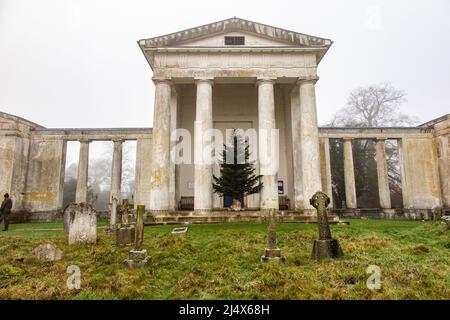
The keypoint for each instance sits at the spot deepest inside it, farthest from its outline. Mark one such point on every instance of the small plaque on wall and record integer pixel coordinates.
(190, 185)
(280, 187)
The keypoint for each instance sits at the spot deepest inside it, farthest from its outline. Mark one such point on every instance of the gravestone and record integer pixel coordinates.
(113, 217)
(272, 252)
(46, 252)
(125, 211)
(138, 257)
(179, 231)
(82, 223)
(125, 233)
(325, 246)
(66, 218)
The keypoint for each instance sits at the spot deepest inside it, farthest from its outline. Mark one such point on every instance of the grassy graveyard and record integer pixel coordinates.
(222, 261)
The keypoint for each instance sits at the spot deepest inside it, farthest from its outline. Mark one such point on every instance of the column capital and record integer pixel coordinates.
(158, 80)
(261, 80)
(307, 80)
(84, 140)
(380, 139)
(117, 140)
(204, 80)
(347, 139)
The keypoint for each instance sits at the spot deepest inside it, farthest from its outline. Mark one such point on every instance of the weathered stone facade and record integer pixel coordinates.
(201, 82)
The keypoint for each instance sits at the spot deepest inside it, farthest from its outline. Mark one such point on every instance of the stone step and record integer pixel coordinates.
(215, 218)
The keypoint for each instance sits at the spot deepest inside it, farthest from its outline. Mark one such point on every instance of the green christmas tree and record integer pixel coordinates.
(238, 176)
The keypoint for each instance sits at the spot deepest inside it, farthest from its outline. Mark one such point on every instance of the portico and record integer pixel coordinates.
(270, 75)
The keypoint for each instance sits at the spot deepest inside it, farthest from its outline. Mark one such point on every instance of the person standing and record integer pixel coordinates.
(5, 210)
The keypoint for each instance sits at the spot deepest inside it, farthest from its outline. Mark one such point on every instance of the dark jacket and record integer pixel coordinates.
(6, 206)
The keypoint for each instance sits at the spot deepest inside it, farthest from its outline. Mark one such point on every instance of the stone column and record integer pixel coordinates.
(173, 167)
(82, 174)
(349, 175)
(116, 178)
(403, 155)
(299, 201)
(268, 144)
(203, 192)
(159, 182)
(382, 173)
(326, 168)
(309, 142)
(305, 144)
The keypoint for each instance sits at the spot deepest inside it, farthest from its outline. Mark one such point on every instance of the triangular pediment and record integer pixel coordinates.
(257, 35)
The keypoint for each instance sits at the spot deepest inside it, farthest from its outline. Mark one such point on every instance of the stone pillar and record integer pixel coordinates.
(326, 168)
(142, 188)
(173, 167)
(82, 174)
(309, 141)
(382, 173)
(349, 175)
(406, 191)
(203, 192)
(268, 144)
(299, 201)
(116, 178)
(159, 195)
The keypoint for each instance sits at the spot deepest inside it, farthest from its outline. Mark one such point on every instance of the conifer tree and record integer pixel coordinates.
(238, 176)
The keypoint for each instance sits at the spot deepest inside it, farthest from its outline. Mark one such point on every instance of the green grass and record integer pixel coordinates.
(222, 261)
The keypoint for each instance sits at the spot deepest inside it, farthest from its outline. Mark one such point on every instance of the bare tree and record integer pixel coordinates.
(372, 106)
(99, 178)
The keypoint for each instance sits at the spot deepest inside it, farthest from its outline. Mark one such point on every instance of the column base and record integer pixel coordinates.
(324, 249)
(388, 213)
(273, 255)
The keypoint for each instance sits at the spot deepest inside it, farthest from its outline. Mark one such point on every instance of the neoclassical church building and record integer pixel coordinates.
(231, 74)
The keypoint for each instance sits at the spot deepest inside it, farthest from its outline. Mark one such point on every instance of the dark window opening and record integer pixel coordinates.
(234, 41)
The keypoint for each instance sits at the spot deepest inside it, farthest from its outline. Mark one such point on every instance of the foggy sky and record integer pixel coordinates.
(77, 63)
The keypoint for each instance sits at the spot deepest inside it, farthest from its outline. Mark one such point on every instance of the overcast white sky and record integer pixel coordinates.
(77, 63)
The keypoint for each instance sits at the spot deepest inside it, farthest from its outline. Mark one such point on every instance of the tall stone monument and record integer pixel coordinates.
(81, 223)
(272, 253)
(325, 246)
(138, 257)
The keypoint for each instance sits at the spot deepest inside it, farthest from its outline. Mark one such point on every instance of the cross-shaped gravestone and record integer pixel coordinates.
(325, 246)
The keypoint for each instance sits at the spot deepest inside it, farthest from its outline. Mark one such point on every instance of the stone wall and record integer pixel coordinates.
(14, 148)
(422, 189)
(45, 178)
(143, 173)
(441, 129)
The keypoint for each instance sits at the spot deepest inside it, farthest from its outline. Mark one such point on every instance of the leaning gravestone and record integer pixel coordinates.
(272, 253)
(138, 257)
(82, 223)
(326, 246)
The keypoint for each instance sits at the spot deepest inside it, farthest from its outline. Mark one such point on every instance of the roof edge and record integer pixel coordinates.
(300, 39)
